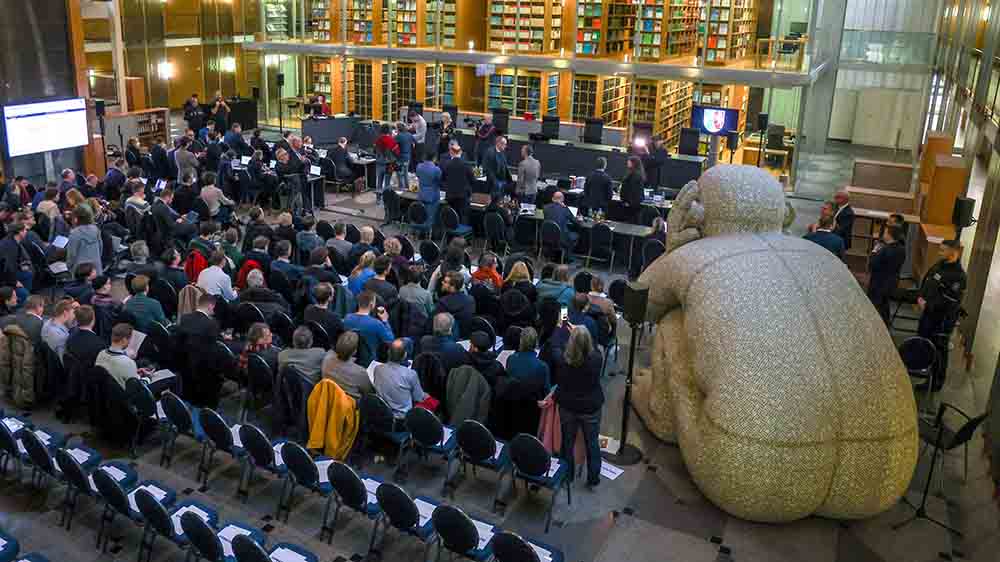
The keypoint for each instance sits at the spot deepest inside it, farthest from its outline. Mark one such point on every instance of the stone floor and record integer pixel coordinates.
(653, 512)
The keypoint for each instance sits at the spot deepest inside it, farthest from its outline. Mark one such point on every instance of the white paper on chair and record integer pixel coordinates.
(176, 517)
(573, 210)
(245, 160)
(118, 474)
(3, 543)
(160, 414)
(503, 356)
(322, 467)
(237, 442)
(553, 468)
(322, 152)
(425, 510)
(278, 461)
(285, 555)
(465, 344)
(371, 370)
(134, 343)
(315, 171)
(160, 375)
(496, 456)
(13, 424)
(79, 455)
(45, 438)
(543, 555)
(227, 535)
(447, 435)
(498, 344)
(58, 267)
(485, 533)
(610, 471)
(60, 241)
(371, 486)
(156, 492)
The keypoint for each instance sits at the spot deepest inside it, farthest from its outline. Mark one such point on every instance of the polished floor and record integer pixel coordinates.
(652, 512)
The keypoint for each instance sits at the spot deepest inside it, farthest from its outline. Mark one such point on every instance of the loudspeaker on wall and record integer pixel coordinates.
(636, 298)
(961, 215)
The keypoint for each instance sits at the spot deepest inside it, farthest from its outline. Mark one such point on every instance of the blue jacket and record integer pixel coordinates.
(292, 272)
(527, 367)
(450, 353)
(828, 240)
(561, 292)
(373, 330)
(405, 141)
(429, 176)
(561, 215)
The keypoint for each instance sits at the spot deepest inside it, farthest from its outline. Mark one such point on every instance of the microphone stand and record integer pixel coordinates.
(627, 454)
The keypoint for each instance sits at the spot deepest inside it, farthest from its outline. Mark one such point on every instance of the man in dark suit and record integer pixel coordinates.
(341, 159)
(322, 312)
(161, 161)
(559, 213)
(29, 319)
(597, 190)
(456, 302)
(214, 151)
(83, 343)
(824, 236)
(844, 217)
(457, 179)
(198, 331)
(653, 161)
(884, 265)
(498, 177)
(170, 222)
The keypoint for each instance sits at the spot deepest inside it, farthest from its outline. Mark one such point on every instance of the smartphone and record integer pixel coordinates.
(564, 315)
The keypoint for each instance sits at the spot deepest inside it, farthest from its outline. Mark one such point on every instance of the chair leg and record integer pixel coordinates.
(552, 505)
(371, 544)
(965, 477)
(325, 527)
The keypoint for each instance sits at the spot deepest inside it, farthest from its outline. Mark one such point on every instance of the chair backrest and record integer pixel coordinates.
(320, 337)
(257, 445)
(648, 214)
(111, 491)
(481, 324)
(917, 353)
(348, 485)
(529, 455)
(475, 441)
(353, 233)
(166, 294)
(140, 399)
(38, 452)
(283, 327)
(162, 341)
(416, 213)
(391, 200)
(376, 415)
(177, 413)
(203, 538)
(247, 550)
(457, 531)
(601, 237)
(512, 338)
(397, 505)
(651, 250)
(72, 471)
(325, 231)
(616, 292)
(259, 375)
(430, 370)
(128, 282)
(581, 283)
(246, 314)
(280, 283)
(965, 433)
(508, 547)
(216, 429)
(8, 442)
(551, 233)
(449, 218)
(425, 428)
(300, 464)
(547, 271)
(429, 252)
(494, 226)
(154, 512)
(407, 246)
(379, 240)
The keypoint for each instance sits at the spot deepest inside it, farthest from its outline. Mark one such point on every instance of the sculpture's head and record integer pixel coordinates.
(726, 199)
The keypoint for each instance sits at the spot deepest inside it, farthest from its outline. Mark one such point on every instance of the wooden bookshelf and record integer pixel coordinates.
(652, 29)
(440, 21)
(674, 111)
(361, 21)
(552, 94)
(520, 94)
(666, 28)
(322, 76)
(364, 94)
(277, 18)
(731, 27)
(605, 27)
(584, 98)
(615, 97)
(682, 27)
(526, 26)
(321, 21)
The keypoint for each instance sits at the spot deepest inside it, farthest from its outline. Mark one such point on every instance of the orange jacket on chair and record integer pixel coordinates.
(333, 420)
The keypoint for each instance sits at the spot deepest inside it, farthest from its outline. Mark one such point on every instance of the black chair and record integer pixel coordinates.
(320, 338)
(429, 253)
(392, 212)
(115, 503)
(205, 542)
(480, 324)
(325, 230)
(218, 437)
(377, 421)
(77, 484)
(163, 346)
(920, 357)
(509, 547)
(517, 310)
(651, 251)
(616, 292)
(348, 491)
(648, 214)
(496, 233)
(941, 438)
(353, 233)
(180, 421)
(531, 462)
(457, 533)
(302, 471)
(283, 326)
(246, 315)
(476, 447)
(129, 277)
(581, 283)
(379, 240)
(162, 291)
(602, 247)
(9, 451)
(260, 381)
(261, 453)
(416, 219)
(452, 226)
(551, 241)
(428, 436)
(279, 282)
(400, 512)
(43, 465)
(157, 524)
(142, 404)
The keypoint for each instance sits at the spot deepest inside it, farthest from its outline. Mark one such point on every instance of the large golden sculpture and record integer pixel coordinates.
(771, 369)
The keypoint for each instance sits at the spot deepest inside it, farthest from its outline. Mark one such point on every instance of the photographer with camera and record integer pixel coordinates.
(486, 136)
(220, 112)
(447, 129)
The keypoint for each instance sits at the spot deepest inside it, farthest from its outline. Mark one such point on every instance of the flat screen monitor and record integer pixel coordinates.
(799, 27)
(550, 126)
(45, 126)
(712, 120)
(593, 131)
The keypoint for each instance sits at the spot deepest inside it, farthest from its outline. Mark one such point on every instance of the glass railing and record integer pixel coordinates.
(886, 47)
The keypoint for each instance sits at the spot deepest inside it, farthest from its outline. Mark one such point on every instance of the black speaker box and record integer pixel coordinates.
(281, 79)
(636, 298)
(762, 121)
(256, 93)
(99, 107)
(593, 131)
(501, 117)
(733, 140)
(961, 215)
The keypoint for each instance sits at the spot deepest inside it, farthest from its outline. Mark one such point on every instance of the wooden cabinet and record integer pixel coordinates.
(948, 181)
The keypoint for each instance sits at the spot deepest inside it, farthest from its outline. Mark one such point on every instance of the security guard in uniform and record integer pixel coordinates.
(940, 301)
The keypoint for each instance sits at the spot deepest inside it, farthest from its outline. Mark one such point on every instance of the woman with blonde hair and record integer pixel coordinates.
(73, 199)
(361, 273)
(580, 398)
(520, 278)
